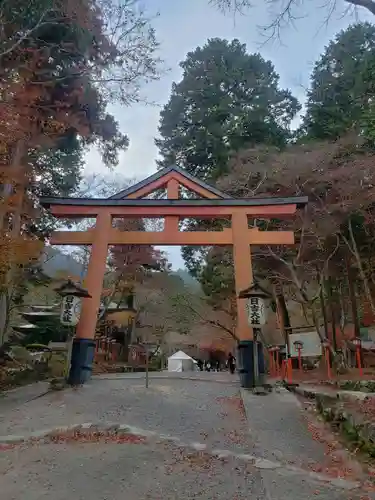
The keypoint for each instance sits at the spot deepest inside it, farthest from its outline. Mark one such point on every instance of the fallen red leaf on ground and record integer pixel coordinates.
(338, 463)
(236, 437)
(233, 402)
(92, 437)
(367, 407)
(5, 447)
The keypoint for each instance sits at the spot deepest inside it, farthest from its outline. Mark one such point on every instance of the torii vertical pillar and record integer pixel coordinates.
(243, 272)
(83, 348)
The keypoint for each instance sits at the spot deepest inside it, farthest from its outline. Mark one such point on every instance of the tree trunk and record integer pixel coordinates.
(342, 323)
(353, 300)
(324, 311)
(4, 316)
(284, 319)
(355, 252)
(332, 308)
(7, 187)
(8, 276)
(304, 312)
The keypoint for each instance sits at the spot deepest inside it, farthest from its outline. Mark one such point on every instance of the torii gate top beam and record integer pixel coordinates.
(90, 207)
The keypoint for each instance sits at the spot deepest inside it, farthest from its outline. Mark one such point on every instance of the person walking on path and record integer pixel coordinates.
(231, 363)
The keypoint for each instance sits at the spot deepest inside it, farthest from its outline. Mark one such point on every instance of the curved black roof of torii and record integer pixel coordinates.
(163, 172)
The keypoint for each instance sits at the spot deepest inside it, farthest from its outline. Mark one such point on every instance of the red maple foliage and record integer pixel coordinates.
(132, 261)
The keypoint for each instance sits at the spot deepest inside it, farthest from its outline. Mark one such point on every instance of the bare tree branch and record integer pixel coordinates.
(285, 13)
(366, 4)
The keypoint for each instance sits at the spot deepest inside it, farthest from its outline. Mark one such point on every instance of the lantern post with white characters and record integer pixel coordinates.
(72, 295)
(256, 313)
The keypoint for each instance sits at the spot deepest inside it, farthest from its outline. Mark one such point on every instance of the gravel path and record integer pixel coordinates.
(142, 471)
(156, 469)
(278, 429)
(115, 472)
(192, 410)
(13, 398)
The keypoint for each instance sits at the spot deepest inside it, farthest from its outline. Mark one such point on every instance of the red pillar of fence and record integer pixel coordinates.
(271, 352)
(358, 353)
(277, 349)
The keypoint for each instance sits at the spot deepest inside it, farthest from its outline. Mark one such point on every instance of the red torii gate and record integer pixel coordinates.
(131, 203)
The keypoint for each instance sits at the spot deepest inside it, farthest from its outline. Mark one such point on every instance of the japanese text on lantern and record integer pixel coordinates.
(256, 311)
(71, 309)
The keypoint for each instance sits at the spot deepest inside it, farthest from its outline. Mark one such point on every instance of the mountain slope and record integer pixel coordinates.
(189, 281)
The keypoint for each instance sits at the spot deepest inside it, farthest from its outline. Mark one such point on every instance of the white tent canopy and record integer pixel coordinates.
(180, 362)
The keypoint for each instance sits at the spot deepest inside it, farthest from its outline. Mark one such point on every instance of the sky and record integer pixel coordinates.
(181, 26)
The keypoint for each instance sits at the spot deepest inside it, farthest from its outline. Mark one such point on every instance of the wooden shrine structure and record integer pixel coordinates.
(132, 203)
